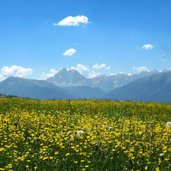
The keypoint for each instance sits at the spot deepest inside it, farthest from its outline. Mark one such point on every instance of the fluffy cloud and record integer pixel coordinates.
(14, 71)
(141, 69)
(81, 68)
(51, 73)
(88, 71)
(147, 46)
(73, 21)
(101, 66)
(69, 52)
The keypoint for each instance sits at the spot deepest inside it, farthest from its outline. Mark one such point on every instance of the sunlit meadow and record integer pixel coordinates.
(84, 135)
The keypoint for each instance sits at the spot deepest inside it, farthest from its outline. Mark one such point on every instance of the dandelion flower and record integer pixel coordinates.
(168, 124)
(80, 133)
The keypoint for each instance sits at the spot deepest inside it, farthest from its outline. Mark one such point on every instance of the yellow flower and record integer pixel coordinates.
(2, 149)
(56, 153)
(82, 161)
(67, 154)
(157, 169)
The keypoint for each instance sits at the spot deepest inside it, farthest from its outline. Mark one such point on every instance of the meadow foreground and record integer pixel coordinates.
(84, 135)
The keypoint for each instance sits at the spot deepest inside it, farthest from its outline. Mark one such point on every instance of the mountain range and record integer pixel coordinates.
(156, 87)
(70, 78)
(70, 84)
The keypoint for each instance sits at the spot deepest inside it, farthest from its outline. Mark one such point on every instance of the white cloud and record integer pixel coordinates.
(69, 52)
(81, 68)
(101, 66)
(88, 71)
(141, 69)
(51, 73)
(73, 21)
(14, 71)
(148, 46)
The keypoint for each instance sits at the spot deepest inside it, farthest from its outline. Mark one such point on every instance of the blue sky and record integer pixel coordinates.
(106, 37)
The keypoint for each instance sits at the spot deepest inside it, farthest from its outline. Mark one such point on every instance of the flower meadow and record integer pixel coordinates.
(95, 135)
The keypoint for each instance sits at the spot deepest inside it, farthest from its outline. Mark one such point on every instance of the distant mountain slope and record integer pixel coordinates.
(2, 95)
(110, 82)
(156, 87)
(85, 92)
(35, 89)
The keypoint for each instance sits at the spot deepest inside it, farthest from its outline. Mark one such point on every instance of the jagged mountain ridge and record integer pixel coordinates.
(66, 78)
(70, 78)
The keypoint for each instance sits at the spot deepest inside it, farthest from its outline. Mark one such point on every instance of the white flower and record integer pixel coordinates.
(80, 133)
(70, 135)
(72, 138)
(110, 128)
(161, 154)
(69, 132)
(168, 124)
